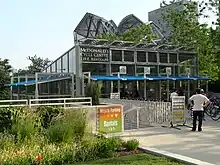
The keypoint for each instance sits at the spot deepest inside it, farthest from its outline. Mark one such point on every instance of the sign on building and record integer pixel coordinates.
(115, 96)
(146, 70)
(168, 71)
(92, 54)
(123, 70)
(110, 118)
(178, 109)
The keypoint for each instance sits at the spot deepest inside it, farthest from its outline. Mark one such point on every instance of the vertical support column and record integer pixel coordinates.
(26, 89)
(36, 86)
(188, 91)
(123, 55)
(160, 90)
(12, 81)
(118, 83)
(19, 80)
(73, 85)
(168, 90)
(207, 86)
(145, 89)
(83, 86)
(78, 71)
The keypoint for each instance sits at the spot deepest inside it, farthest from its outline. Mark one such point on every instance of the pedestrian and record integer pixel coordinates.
(199, 101)
(174, 93)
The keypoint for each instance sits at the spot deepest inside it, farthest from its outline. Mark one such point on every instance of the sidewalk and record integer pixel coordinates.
(204, 146)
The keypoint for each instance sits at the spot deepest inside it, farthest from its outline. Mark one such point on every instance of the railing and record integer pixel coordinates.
(13, 103)
(142, 114)
(64, 102)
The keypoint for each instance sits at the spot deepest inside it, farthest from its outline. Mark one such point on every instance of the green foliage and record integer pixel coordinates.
(186, 31)
(93, 90)
(5, 70)
(136, 34)
(131, 145)
(47, 113)
(7, 115)
(66, 127)
(25, 125)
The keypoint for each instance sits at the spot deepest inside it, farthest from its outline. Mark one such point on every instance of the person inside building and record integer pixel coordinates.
(174, 93)
(199, 101)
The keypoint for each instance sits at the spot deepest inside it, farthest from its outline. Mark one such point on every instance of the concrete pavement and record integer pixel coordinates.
(204, 146)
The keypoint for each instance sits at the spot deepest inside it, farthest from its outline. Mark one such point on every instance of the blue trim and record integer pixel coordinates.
(105, 78)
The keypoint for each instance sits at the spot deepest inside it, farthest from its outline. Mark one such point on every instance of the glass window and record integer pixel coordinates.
(130, 69)
(94, 68)
(163, 58)
(141, 56)
(129, 56)
(185, 57)
(59, 69)
(163, 70)
(53, 67)
(72, 61)
(65, 63)
(116, 55)
(153, 69)
(152, 57)
(173, 58)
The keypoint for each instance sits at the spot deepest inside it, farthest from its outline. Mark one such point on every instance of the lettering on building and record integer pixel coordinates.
(95, 54)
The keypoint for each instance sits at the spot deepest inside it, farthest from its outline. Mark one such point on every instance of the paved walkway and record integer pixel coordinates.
(204, 146)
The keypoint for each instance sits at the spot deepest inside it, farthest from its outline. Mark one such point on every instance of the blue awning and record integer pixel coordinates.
(133, 78)
(182, 78)
(157, 78)
(105, 78)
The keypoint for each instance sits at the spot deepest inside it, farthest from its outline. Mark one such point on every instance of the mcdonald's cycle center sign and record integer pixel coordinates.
(110, 118)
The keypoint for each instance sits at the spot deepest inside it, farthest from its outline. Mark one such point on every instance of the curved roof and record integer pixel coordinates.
(129, 22)
(92, 25)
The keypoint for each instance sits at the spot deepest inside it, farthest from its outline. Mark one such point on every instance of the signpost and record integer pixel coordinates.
(178, 109)
(110, 118)
(115, 96)
(146, 72)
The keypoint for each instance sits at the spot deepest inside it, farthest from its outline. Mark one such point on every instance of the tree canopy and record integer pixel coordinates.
(5, 70)
(136, 34)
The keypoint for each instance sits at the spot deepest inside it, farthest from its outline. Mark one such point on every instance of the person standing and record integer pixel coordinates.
(174, 93)
(203, 93)
(199, 101)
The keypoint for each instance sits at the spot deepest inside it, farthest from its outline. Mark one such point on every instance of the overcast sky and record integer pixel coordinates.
(45, 27)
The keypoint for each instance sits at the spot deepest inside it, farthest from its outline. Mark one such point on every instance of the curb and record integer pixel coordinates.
(177, 157)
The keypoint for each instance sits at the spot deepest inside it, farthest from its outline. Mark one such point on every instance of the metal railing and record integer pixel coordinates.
(13, 103)
(64, 102)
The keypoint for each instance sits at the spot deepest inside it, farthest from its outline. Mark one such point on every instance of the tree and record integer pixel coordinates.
(5, 70)
(38, 64)
(186, 31)
(136, 34)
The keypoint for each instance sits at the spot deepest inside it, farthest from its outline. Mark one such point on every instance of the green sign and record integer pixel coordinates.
(110, 119)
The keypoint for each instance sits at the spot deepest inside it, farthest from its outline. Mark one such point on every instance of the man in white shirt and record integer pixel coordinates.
(199, 101)
(174, 93)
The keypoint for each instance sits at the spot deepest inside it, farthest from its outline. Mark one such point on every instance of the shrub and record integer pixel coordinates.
(131, 145)
(25, 125)
(67, 126)
(47, 113)
(93, 90)
(7, 115)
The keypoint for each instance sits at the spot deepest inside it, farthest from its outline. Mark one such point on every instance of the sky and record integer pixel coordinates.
(45, 27)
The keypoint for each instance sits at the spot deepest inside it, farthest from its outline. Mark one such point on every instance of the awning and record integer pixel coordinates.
(133, 78)
(105, 78)
(182, 78)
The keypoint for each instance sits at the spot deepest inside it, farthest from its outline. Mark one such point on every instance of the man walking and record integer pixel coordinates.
(199, 101)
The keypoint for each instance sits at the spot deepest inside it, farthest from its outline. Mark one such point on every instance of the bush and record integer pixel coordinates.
(25, 125)
(7, 115)
(67, 126)
(47, 113)
(93, 90)
(131, 145)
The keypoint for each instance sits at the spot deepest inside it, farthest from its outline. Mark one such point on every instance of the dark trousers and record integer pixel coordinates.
(199, 115)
